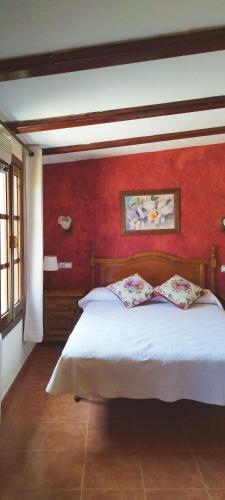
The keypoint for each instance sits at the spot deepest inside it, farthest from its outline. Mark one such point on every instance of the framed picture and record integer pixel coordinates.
(150, 212)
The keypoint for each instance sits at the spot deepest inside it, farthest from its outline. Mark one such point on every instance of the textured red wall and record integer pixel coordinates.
(88, 191)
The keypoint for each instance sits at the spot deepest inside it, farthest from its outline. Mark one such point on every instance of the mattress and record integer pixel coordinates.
(154, 350)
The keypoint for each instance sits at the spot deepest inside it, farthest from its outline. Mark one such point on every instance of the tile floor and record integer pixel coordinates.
(54, 448)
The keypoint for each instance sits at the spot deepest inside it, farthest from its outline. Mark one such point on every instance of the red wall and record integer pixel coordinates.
(88, 191)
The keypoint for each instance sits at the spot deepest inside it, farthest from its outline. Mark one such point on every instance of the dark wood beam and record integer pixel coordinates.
(113, 54)
(133, 141)
(117, 115)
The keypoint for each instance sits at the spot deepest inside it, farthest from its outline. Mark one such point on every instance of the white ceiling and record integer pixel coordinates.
(29, 27)
(137, 84)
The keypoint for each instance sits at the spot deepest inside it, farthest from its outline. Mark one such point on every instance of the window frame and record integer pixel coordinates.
(16, 311)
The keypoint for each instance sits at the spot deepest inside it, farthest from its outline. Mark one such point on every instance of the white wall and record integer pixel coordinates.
(14, 354)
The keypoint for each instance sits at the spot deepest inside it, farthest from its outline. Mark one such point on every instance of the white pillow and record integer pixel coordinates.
(98, 294)
(104, 294)
(209, 298)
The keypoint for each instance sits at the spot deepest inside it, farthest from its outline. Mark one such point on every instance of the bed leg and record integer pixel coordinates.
(77, 398)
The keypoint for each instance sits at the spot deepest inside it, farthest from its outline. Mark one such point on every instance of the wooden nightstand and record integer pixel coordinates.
(61, 313)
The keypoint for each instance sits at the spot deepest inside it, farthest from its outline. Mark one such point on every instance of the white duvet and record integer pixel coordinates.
(150, 351)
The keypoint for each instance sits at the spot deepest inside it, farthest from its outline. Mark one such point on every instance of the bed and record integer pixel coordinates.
(155, 350)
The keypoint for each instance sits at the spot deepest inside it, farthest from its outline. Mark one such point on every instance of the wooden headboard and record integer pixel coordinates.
(154, 267)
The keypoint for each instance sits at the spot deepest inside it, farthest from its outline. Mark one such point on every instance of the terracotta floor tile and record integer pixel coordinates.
(113, 495)
(23, 413)
(42, 495)
(52, 470)
(34, 419)
(39, 470)
(66, 411)
(12, 466)
(112, 471)
(212, 467)
(30, 405)
(169, 469)
(17, 435)
(158, 434)
(27, 384)
(178, 494)
(4, 406)
(43, 361)
(37, 374)
(100, 410)
(154, 409)
(113, 409)
(206, 433)
(48, 350)
(29, 388)
(62, 399)
(217, 494)
(46, 360)
(29, 395)
(112, 435)
(61, 437)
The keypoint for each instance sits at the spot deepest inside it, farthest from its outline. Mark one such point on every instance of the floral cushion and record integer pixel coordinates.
(179, 291)
(133, 290)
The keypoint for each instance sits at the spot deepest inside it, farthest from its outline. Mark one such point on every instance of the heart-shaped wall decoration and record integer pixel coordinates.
(65, 222)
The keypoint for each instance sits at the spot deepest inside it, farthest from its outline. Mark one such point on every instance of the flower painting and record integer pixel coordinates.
(150, 211)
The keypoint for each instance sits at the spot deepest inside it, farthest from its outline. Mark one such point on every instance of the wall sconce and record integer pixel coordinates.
(222, 224)
(65, 222)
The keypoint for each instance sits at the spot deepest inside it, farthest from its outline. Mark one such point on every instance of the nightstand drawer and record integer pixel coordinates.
(61, 304)
(61, 313)
(60, 321)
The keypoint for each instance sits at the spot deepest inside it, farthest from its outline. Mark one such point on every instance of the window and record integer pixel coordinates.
(11, 247)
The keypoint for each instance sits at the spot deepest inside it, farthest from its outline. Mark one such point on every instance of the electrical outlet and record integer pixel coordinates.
(222, 268)
(65, 265)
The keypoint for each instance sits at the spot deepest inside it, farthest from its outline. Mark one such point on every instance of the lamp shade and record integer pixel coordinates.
(50, 263)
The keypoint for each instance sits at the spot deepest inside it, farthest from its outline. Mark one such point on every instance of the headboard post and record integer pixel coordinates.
(213, 267)
(92, 267)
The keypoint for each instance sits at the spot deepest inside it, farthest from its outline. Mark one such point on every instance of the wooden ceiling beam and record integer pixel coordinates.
(113, 54)
(133, 141)
(117, 115)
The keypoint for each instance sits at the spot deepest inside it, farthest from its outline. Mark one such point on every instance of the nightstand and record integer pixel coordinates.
(61, 313)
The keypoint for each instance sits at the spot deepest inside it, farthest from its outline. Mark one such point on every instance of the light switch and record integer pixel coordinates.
(65, 265)
(222, 268)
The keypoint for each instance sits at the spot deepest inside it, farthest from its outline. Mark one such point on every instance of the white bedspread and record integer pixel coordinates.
(150, 351)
